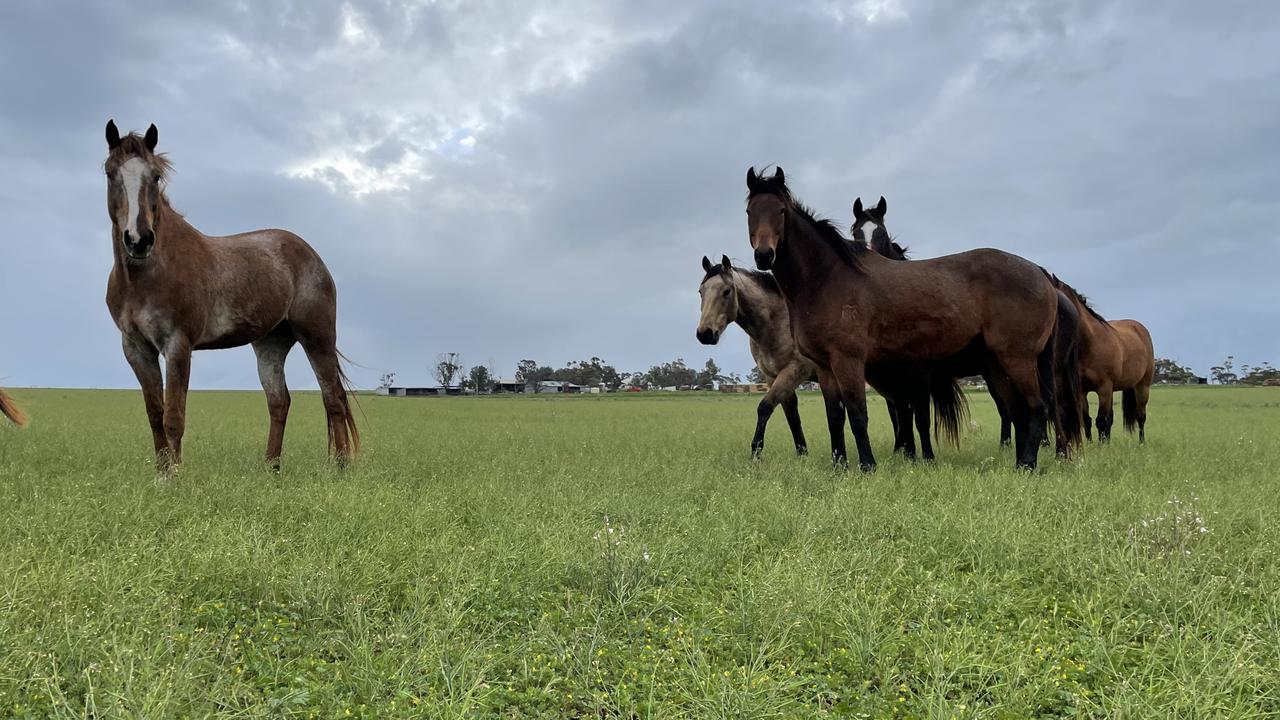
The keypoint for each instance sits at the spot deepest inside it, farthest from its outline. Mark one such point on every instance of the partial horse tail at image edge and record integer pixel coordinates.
(1129, 408)
(950, 407)
(1069, 416)
(11, 410)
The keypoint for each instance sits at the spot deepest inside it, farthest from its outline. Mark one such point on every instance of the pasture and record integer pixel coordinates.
(463, 566)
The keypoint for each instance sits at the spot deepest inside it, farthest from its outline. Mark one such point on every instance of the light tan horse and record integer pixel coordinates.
(1114, 355)
(174, 290)
(10, 409)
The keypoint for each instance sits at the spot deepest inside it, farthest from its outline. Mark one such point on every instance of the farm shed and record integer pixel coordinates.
(508, 385)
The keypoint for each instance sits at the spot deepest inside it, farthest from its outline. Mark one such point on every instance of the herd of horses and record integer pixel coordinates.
(846, 312)
(853, 312)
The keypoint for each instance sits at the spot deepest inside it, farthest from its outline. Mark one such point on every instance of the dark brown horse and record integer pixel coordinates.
(869, 228)
(173, 290)
(10, 409)
(752, 300)
(851, 308)
(1114, 355)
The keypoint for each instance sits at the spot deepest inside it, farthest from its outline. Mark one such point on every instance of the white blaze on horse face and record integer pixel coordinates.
(132, 172)
(868, 231)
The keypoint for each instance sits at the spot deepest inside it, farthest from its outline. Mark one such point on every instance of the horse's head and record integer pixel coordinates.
(719, 300)
(768, 202)
(135, 174)
(868, 227)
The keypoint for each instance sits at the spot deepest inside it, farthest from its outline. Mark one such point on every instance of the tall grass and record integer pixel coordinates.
(458, 570)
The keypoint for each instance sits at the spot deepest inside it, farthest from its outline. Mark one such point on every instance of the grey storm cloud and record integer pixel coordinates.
(510, 179)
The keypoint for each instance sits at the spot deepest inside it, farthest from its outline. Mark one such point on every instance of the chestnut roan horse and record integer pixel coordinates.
(10, 409)
(174, 290)
(851, 308)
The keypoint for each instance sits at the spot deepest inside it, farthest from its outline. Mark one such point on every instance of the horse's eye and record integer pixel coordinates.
(725, 293)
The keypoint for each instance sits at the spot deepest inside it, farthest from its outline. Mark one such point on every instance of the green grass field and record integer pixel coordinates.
(463, 567)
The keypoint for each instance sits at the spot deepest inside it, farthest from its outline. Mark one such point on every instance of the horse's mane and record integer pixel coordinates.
(1074, 294)
(765, 281)
(850, 251)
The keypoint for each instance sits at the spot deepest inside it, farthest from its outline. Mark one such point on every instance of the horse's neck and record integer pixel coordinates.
(759, 311)
(174, 240)
(804, 261)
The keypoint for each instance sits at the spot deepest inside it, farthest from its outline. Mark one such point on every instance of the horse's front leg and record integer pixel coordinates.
(850, 374)
(177, 376)
(835, 417)
(782, 387)
(145, 362)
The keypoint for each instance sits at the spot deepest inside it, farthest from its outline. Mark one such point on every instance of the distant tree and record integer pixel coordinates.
(710, 374)
(1169, 371)
(386, 381)
(528, 371)
(1263, 374)
(448, 368)
(1225, 374)
(479, 379)
(590, 373)
(674, 373)
(756, 375)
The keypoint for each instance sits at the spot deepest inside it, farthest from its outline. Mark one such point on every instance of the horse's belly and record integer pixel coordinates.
(227, 328)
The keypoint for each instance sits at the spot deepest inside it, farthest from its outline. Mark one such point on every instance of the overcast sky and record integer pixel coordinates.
(541, 179)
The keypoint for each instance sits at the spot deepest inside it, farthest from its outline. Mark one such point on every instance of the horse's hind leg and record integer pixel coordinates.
(1106, 411)
(791, 408)
(1088, 421)
(1030, 415)
(272, 351)
(1143, 393)
(324, 361)
(920, 403)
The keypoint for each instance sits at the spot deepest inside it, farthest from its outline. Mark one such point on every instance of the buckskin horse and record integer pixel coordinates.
(851, 308)
(174, 290)
(752, 299)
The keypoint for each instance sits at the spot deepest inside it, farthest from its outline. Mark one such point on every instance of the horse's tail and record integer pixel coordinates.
(10, 409)
(1069, 418)
(1129, 407)
(348, 418)
(950, 407)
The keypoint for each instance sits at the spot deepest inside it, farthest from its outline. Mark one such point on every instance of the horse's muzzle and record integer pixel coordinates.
(764, 258)
(140, 248)
(707, 336)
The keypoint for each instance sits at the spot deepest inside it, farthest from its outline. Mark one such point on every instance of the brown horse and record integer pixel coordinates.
(1114, 355)
(752, 300)
(869, 228)
(851, 308)
(10, 409)
(173, 290)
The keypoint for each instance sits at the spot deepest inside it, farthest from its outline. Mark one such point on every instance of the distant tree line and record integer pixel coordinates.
(450, 371)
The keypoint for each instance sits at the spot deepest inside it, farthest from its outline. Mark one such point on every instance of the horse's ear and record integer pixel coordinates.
(881, 207)
(752, 179)
(724, 263)
(857, 208)
(706, 264)
(777, 175)
(113, 135)
(152, 137)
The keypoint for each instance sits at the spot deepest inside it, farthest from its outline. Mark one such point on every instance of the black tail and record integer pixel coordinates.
(1129, 406)
(1069, 417)
(950, 407)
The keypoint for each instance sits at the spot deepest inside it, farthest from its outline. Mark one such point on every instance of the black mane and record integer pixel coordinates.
(850, 251)
(1073, 294)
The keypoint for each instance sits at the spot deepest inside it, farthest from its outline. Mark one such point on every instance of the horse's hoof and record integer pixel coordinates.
(801, 450)
(867, 467)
